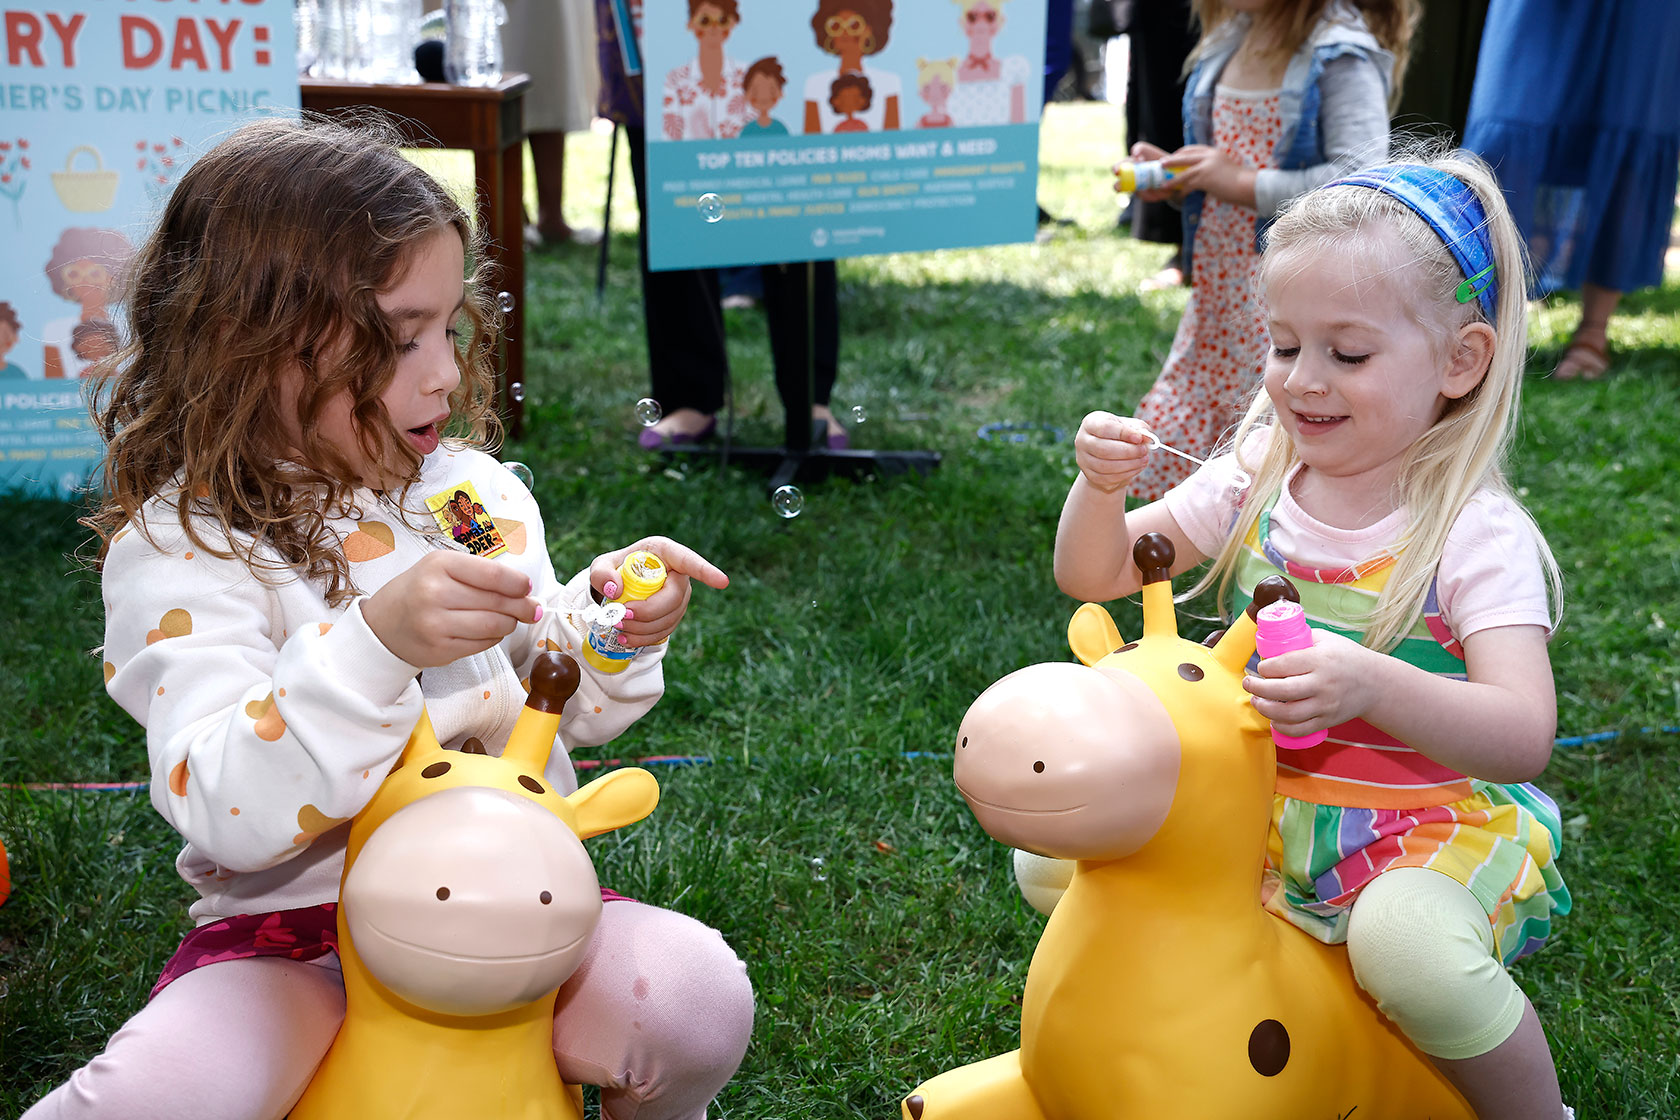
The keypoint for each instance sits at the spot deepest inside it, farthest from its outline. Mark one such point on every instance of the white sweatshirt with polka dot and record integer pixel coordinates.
(271, 717)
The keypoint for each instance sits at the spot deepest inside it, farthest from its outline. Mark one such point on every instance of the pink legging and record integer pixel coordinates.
(657, 1015)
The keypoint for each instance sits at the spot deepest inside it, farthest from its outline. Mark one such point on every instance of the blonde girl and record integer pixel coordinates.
(1369, 470)
(309, 363)
(1281, 96)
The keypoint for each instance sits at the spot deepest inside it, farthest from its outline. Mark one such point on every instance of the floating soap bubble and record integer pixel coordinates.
(504, 302)
(522, 473)
(649, 412)
(788, 501)
(516, 390)
(858, 414)
(711, 207)
(819, 869)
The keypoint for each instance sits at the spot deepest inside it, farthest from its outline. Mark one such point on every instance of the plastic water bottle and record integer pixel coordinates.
(394, 29)
(1280, 627)
(306, 22)
(329, 39)
(473, 51)
(357, 40)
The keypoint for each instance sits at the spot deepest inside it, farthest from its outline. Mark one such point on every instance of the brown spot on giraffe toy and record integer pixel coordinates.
(467, 900)
(1160, 986)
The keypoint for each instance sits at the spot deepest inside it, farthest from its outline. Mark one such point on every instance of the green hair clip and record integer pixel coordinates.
(1473, 287)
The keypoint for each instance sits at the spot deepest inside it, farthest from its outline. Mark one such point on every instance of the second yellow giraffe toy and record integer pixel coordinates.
(467, 901)
(1160, 986)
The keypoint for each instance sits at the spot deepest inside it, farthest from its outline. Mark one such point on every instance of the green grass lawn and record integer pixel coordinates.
(884, 938)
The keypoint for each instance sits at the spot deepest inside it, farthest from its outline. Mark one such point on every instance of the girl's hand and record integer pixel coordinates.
(1110, 450)
(1308, 690)
(448, 606)
(1198, 167)
(1141, 152)
(650, 621)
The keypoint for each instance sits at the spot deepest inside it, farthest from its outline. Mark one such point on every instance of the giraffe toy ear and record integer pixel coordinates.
(1092, 634)
(422, 740)
(613, 801)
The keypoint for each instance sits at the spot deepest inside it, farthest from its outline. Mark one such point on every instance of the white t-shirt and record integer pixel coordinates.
(1490, 572)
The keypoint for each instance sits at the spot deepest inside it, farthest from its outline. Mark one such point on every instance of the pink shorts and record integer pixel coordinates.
(300, 935)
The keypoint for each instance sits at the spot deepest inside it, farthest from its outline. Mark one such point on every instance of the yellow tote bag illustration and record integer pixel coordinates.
(85, 192)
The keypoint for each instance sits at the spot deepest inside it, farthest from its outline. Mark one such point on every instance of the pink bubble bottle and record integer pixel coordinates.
(1279, 628)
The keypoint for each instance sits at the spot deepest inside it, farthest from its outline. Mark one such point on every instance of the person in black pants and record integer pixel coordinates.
(687, 362)
(1162, 36)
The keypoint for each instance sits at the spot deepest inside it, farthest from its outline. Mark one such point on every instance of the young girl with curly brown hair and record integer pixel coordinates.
(308, 363)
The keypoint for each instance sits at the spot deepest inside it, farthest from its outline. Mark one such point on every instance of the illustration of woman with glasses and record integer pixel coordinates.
(990, 90)
(706, 99)
(852, 30)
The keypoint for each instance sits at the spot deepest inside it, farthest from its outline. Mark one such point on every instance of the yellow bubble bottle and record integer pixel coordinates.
(1143, 175)
(641, 574)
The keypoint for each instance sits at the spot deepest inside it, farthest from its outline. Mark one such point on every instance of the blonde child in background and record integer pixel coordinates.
(1282, 95)
(280, 601)
(1369, 471)
(935, 79)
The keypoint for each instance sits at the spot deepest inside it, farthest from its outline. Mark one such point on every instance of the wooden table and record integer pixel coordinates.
(489, 121)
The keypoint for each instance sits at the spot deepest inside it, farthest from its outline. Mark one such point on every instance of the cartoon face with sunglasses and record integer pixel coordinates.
(981, 22)
(852, 28)
(713, 20)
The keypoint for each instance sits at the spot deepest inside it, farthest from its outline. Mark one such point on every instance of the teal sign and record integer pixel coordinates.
(818, 129)
(102, 106)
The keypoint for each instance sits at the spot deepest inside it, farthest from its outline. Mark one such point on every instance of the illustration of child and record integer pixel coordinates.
(848, 96)
(84, 270)
(935, 79)
(764, 83)
(10, 327)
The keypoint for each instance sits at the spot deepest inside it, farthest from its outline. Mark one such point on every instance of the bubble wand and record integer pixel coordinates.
(1239, 481)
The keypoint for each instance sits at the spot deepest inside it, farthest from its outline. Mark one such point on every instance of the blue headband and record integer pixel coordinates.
(1452, 210)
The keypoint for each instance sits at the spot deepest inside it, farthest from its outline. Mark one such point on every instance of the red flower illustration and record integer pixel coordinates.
(24, 144)
(140, 147)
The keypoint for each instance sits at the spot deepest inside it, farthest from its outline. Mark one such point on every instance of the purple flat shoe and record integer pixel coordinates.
(839, 441)
(651, 440)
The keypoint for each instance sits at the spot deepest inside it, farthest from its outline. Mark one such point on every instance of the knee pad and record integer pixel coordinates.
(1422, 947)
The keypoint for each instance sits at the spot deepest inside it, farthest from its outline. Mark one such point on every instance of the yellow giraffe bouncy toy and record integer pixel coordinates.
(467, 900)
(1160, 986)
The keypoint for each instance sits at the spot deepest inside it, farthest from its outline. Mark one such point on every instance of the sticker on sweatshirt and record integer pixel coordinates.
(459, 512)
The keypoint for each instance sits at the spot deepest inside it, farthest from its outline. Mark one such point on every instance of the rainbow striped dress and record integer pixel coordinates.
(1363, 802)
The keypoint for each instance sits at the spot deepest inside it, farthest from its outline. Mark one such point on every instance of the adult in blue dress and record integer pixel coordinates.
(1577, 107)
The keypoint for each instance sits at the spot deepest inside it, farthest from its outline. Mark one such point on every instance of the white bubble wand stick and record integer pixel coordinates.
(1239, 480)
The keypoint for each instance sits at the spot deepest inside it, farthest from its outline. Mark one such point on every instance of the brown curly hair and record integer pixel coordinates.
(851, 81)
(272, 252)
(876, 13)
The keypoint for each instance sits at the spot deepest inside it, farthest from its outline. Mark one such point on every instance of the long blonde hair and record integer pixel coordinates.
(1291, 23)
(271, 253)
(1465, 450)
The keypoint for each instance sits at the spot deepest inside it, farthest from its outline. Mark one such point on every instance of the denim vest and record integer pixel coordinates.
(1340, 31)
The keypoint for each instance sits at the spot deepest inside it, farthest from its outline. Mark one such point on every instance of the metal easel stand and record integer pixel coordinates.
(804, 455)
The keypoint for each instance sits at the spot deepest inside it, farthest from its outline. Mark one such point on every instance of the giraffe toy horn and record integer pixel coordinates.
(1153, 553)
(554, 680)
(1237, 643)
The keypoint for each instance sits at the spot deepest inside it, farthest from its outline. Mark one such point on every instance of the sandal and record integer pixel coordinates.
(1587, 359)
